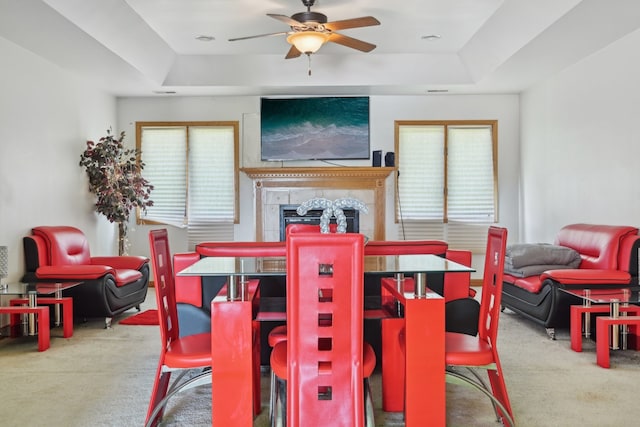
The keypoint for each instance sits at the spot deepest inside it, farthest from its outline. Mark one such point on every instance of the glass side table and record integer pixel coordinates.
(29, 294)
(619, 303)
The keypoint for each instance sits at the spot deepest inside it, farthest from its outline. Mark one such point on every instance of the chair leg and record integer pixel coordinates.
(160, 386)
(499, 389)
(486, 387)
(457, 378)
(369, 413)
(201, 379)
(279, 418)
(272, 397)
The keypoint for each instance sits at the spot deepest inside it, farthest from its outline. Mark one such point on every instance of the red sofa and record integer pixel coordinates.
(111, 284)
(608, 257)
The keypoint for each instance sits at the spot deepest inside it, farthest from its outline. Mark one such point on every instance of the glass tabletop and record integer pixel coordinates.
(39, 288)
(276, 266)
(629, 294)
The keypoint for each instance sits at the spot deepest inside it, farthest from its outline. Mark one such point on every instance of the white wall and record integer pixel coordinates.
(47, 115)
(580, 144)
(384, 110)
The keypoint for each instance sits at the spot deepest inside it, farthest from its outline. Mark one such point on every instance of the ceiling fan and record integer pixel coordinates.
(310, 30)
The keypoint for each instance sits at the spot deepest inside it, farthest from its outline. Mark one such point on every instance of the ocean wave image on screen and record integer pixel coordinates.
(315, 128)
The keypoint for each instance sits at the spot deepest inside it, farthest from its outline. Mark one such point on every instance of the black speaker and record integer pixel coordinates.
(390, 159)
(377, 158)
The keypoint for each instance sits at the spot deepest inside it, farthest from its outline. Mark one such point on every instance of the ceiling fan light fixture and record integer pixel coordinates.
(308, 41)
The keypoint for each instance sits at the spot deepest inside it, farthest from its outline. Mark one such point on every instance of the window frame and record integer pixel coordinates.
(398, 124)
(140, 220)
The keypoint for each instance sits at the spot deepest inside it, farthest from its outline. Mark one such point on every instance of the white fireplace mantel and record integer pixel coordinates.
(276, 186)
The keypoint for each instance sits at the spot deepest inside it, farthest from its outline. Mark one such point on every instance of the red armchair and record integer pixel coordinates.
(111, 284)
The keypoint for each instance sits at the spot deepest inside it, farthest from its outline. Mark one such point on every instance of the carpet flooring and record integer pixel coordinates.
(103, 377)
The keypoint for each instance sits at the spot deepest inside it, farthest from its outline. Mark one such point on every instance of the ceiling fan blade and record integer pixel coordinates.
(365, 21)
(351, 42)
(293, 53)
(259, 35)
(286, 19)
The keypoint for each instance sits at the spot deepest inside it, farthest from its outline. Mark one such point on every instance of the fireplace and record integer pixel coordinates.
(274, 187)
(288, 215)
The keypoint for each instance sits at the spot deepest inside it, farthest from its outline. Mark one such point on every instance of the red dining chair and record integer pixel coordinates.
(276, 336)
(279, 333)
(461, 309)
(177, 354)
(323, 364)
(480, 351)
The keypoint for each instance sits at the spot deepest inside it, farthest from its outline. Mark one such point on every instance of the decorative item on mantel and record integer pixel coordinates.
(115, 176)
(330, 209)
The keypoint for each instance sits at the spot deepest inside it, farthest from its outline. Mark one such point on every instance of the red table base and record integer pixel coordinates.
(235, 376)
(42, 313)
(577, 312)
(414, 381)
(67, 311)
(603, 332)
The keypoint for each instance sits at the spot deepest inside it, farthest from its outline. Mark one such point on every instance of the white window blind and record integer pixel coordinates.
(470, 195)
(164, 153)
(421, 180)
(211, 210)
(194, 172)
(446, 183)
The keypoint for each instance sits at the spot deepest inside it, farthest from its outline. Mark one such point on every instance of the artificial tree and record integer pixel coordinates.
(115, 177)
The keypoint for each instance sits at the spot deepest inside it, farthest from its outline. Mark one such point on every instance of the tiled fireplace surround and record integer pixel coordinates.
(292, 186)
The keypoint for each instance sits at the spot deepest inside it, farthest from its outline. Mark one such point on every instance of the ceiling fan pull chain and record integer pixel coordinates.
(309, 58)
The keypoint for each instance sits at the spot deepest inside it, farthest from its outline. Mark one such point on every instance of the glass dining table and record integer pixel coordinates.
(233, 317)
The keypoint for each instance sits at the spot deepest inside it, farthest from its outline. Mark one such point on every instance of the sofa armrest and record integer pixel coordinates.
(587, 277)
(531, 284)
(124, 262)
(73, 272)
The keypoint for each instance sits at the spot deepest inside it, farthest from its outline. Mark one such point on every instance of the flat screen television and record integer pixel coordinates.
(314, 128)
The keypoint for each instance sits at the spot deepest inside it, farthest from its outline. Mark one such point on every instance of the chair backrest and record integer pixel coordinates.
(492, 284)
(307, 228)
(65, 245)
(325, 275)
(597, 244)
(165, 286)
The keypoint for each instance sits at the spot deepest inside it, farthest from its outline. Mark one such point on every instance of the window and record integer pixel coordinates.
(193, 167)
(447, 181)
